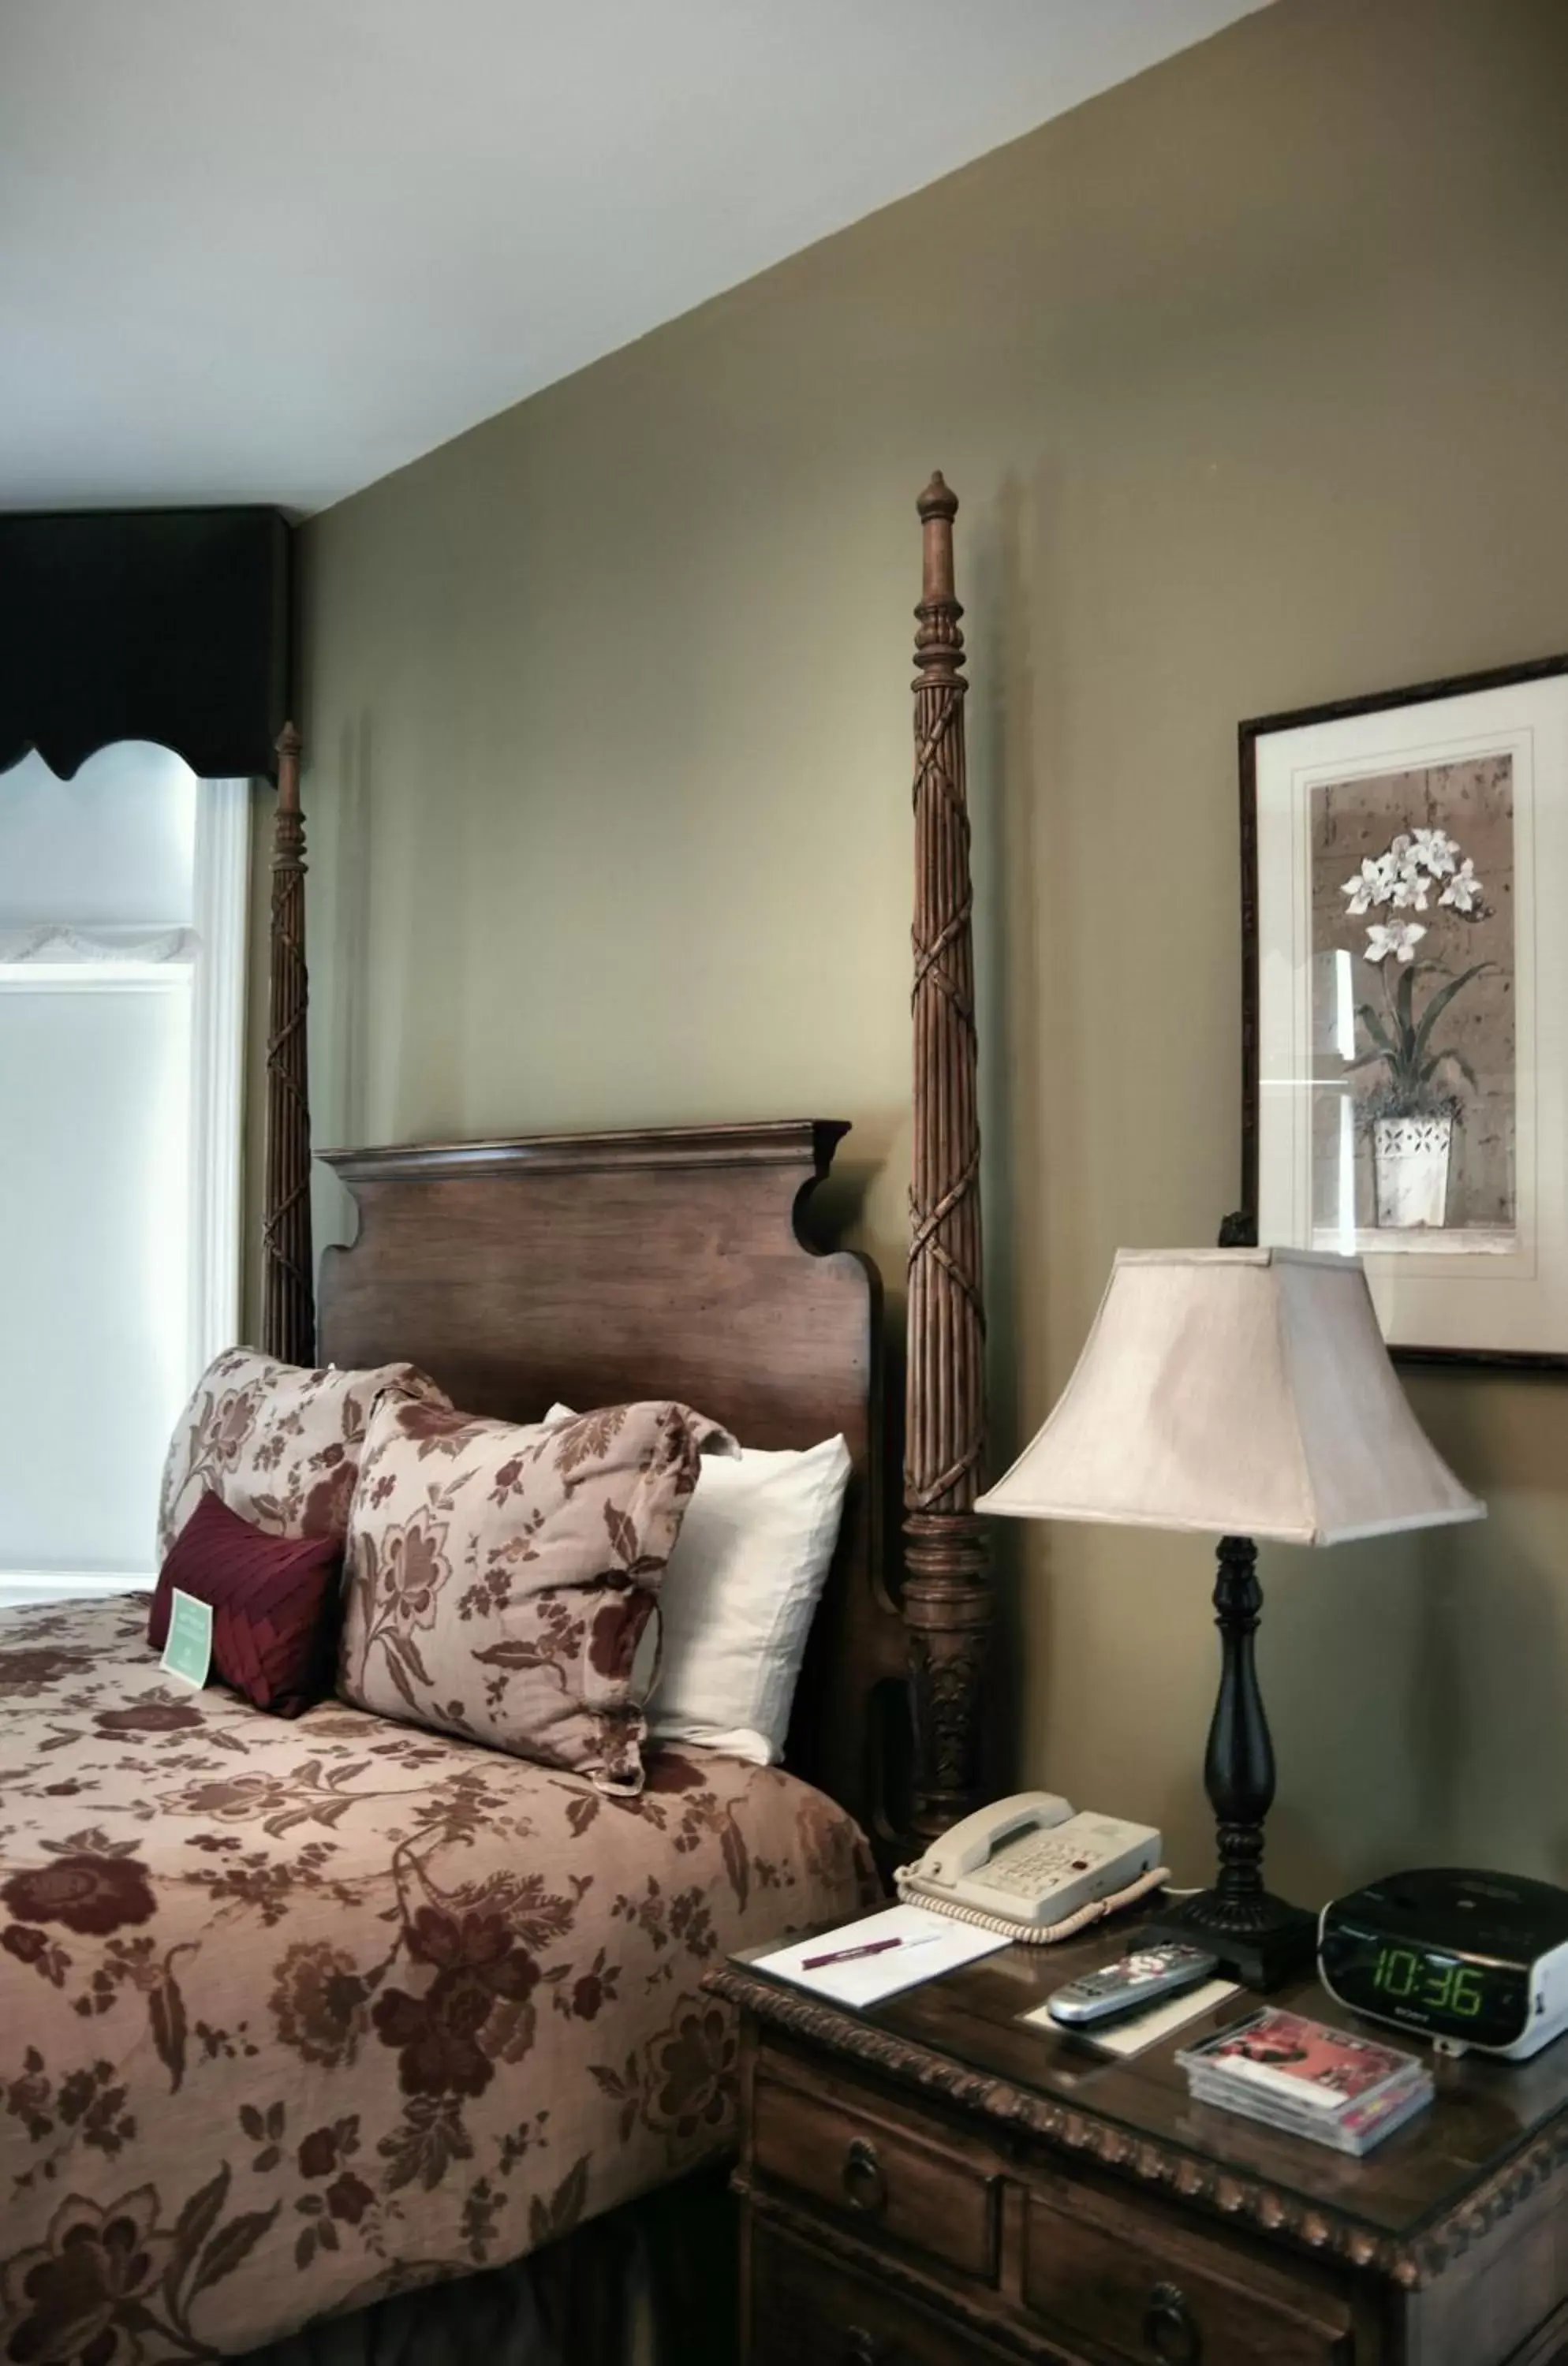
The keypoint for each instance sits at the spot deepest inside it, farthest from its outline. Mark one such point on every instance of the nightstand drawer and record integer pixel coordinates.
(887, 2185)
(810, 2310)
(1123, 2278)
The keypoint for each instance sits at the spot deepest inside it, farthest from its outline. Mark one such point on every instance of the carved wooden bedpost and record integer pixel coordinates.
(947, 1598)
(288, 1313)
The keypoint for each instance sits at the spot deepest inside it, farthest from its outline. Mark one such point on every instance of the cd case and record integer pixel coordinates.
(1308, 2079)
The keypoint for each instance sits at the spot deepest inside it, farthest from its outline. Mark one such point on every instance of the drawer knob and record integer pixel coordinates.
(865, 2187)
(1171, 2330)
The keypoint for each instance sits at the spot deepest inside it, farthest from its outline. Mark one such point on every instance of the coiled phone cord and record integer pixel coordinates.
(914, 1892)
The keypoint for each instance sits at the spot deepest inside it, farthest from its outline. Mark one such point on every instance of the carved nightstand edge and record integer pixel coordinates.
(1312, 2228)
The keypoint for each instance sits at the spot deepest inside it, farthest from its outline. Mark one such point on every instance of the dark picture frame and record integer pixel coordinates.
(1252, 736)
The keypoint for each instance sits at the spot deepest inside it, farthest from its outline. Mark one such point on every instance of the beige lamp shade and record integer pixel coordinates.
(1240, 1391)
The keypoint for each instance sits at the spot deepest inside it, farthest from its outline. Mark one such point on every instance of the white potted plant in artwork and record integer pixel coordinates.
(1412, 1109)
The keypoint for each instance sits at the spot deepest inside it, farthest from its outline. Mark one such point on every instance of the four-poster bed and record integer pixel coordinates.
(927, 1630)
(430, 2135)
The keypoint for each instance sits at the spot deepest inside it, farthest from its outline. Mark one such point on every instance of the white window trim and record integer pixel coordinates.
(20, 1586)
(91, 977)
(218, 1065)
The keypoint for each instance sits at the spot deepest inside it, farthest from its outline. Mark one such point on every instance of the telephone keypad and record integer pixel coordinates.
(1033, 1865)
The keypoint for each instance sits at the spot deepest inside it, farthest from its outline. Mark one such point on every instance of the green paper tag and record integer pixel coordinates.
(189, 1652)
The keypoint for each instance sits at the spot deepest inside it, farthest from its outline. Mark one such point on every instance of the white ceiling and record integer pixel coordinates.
(268, 249)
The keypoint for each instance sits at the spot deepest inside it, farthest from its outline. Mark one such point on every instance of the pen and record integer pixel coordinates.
(871, 1948)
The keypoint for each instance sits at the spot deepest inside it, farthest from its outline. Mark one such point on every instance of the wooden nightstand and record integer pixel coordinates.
(933, 2182)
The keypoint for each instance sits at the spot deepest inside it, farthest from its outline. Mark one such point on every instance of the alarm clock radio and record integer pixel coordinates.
(1470, 1959)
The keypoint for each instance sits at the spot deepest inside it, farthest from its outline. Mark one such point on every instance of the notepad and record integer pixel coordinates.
(930, 1946)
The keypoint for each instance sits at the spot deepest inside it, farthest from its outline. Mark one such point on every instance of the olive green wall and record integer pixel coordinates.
(1253, 379)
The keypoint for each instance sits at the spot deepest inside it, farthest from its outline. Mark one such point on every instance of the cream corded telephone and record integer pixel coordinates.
(1029, 1864)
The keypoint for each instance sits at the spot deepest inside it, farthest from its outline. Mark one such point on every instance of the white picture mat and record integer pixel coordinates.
(1513, 1299)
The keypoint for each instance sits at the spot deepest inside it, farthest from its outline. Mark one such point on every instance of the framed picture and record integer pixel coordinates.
(1405, 914)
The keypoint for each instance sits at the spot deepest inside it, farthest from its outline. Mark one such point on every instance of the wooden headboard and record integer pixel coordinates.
(600, 1268)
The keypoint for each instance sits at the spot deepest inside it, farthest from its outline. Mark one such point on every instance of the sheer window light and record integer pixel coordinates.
(122, 914)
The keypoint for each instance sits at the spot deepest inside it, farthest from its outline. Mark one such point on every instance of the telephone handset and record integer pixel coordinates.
(1031, 1861)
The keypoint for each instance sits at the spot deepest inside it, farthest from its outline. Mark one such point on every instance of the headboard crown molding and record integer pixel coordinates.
(780, 1142)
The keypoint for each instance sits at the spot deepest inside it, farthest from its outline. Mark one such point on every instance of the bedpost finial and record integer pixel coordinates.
(288, 745)
(939, 644)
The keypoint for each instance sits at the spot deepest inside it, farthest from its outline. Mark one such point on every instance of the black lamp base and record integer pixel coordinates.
(1259, 1940)
(1256, 1935)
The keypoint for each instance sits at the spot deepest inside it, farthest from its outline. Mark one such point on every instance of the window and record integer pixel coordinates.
(123, 920)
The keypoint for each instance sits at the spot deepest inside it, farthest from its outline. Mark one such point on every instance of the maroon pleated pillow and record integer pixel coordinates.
(275, 1604)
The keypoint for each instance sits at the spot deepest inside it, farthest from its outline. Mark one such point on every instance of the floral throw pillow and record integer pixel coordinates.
(277, 1444)
(499, 1579)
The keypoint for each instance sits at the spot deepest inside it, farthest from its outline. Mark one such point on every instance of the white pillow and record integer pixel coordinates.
(738, 1597)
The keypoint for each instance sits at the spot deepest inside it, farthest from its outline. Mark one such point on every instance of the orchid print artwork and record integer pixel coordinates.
(1405, 1004)
(1420, 905)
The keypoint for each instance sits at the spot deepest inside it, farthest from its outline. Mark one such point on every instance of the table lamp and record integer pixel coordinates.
(1248, 1393)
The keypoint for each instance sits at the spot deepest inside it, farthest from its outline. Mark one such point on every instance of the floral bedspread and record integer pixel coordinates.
(295, 2014)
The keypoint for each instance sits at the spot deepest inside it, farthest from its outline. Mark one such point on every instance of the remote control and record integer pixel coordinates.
(1136, 1980)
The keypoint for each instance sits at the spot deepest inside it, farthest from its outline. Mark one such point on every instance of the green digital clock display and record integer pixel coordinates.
(1402, 1973)
(1428, 1988)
